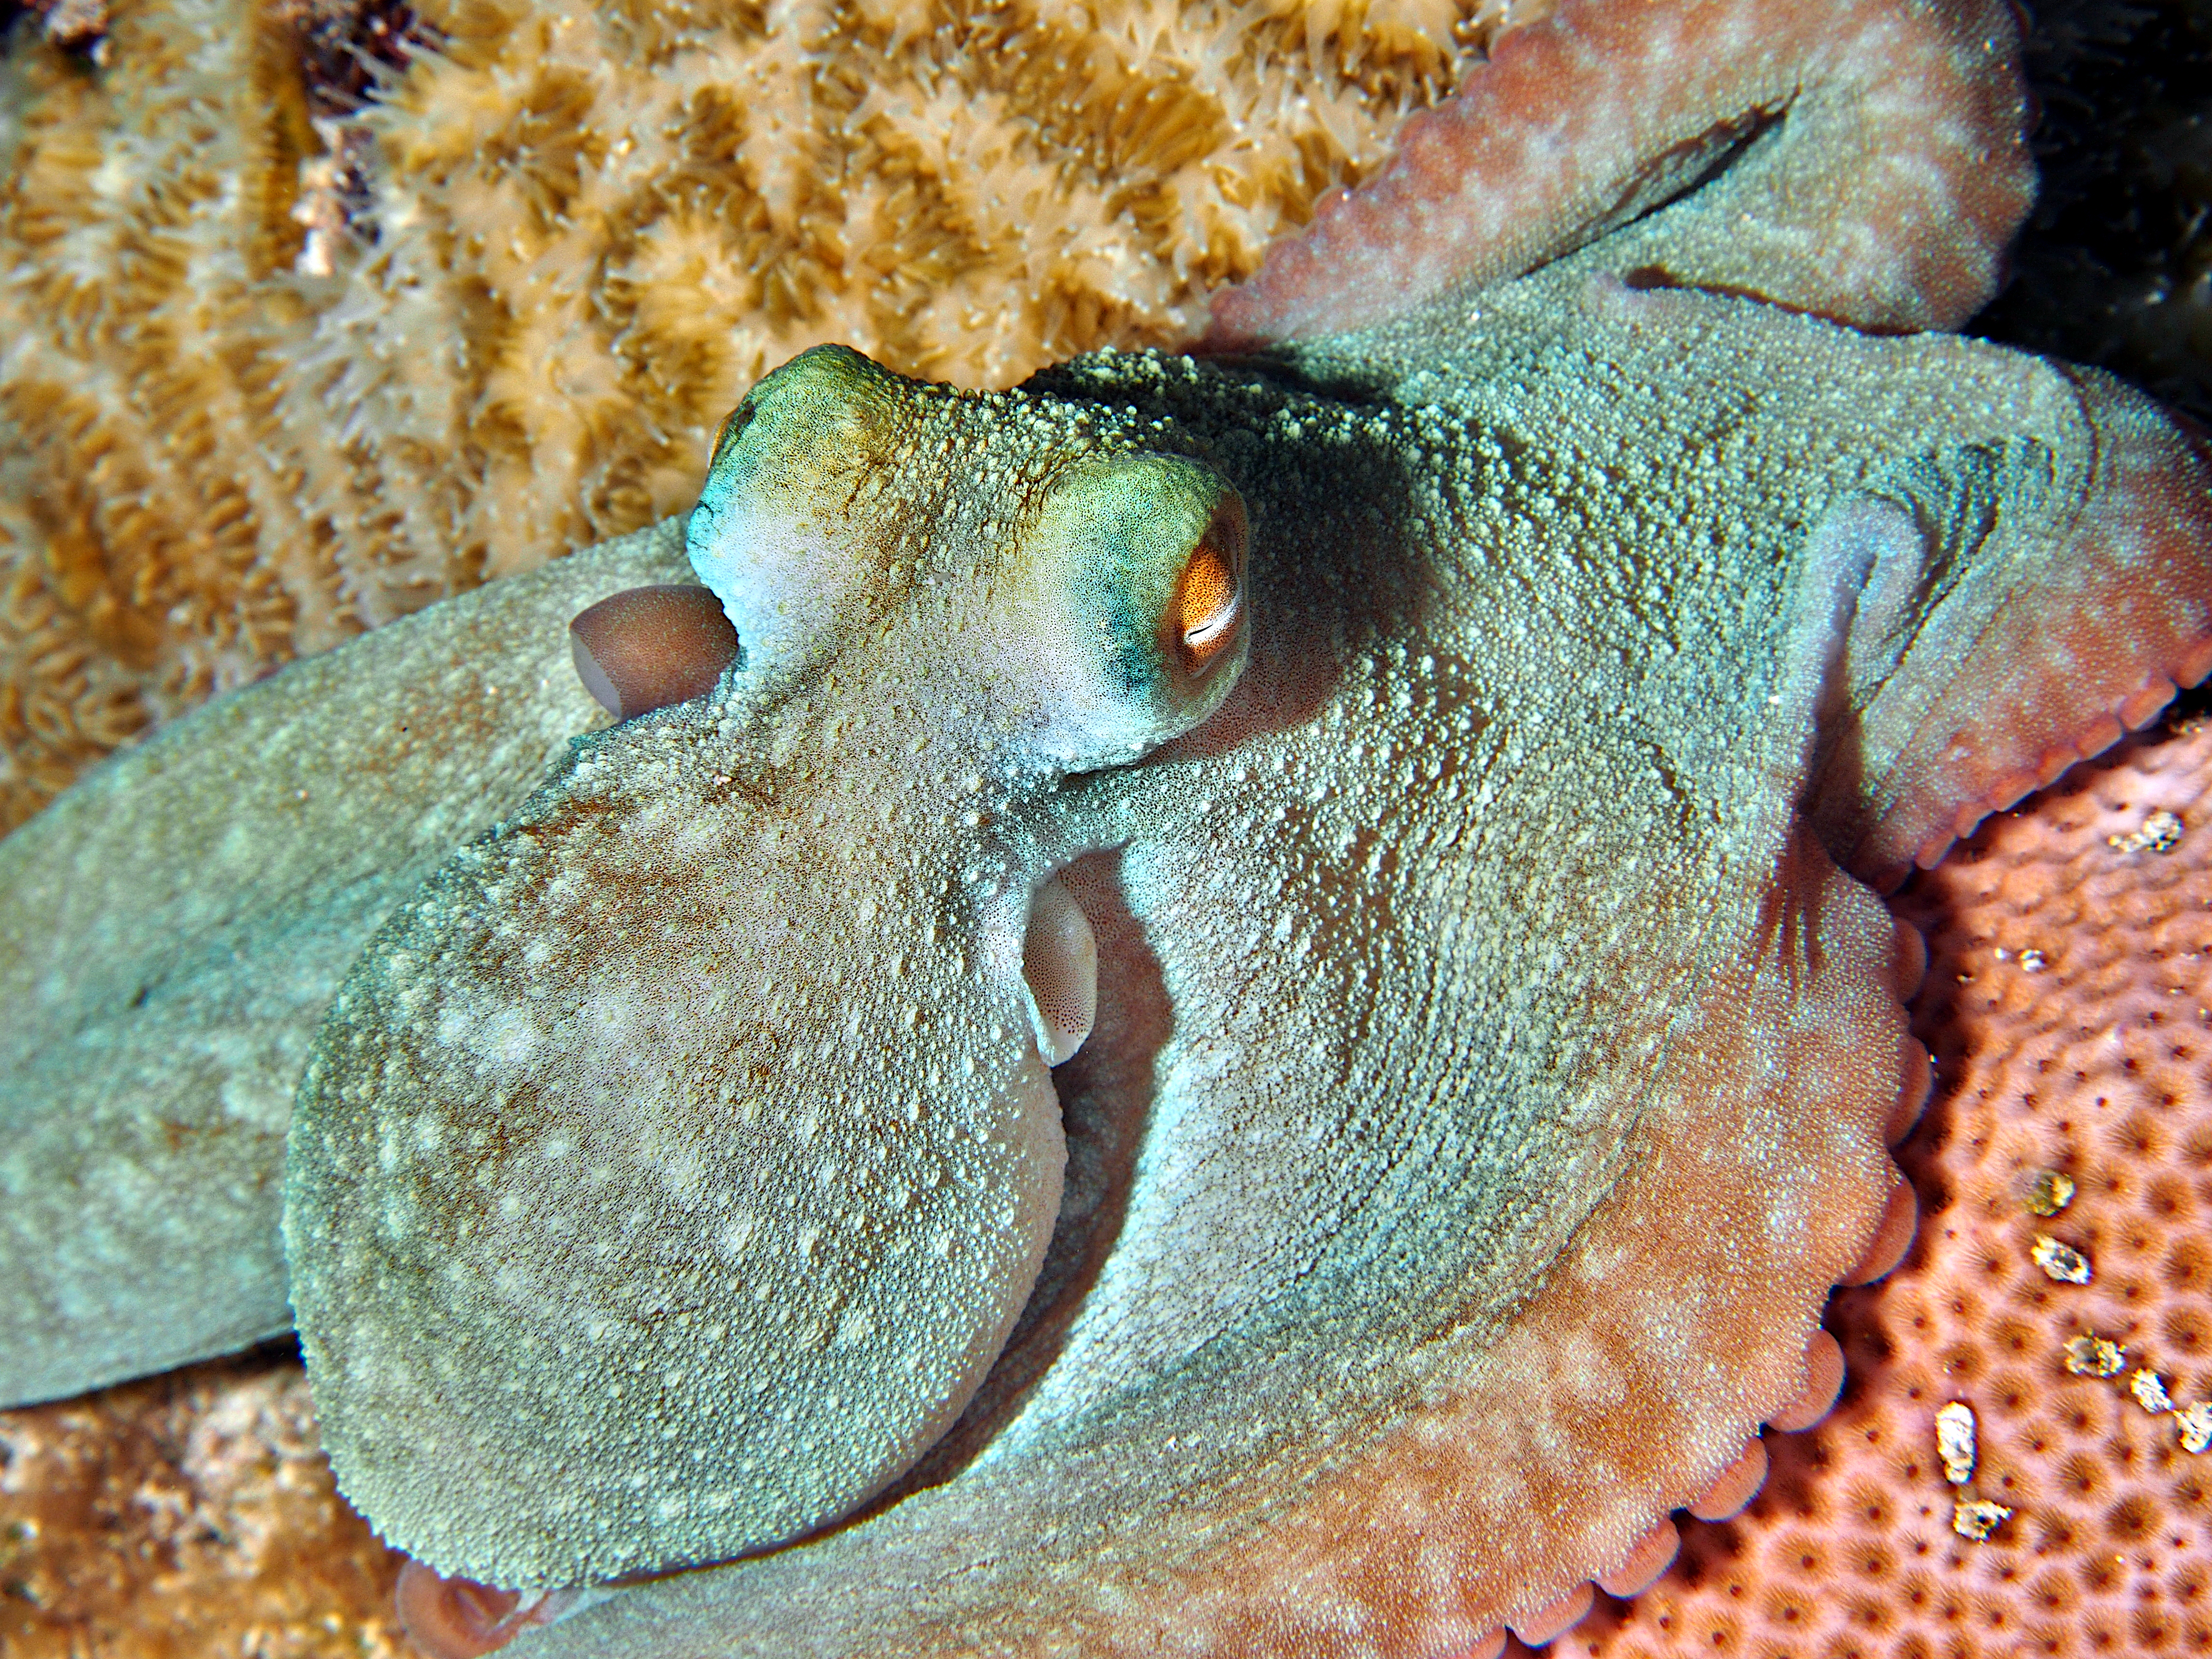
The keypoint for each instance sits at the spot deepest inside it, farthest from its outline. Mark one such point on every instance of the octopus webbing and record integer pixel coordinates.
(1421, 762)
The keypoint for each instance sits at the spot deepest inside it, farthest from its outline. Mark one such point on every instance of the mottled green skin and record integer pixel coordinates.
(172, 929)
(736, 1007)
(1481, 909)
(1492, 1069)
(1490, 1075)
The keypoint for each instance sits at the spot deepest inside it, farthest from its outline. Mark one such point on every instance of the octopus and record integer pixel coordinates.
(1232, 1002)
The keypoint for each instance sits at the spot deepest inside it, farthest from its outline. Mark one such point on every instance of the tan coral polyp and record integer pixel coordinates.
(586, 228)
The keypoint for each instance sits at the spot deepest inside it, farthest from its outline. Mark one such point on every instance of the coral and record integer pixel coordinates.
(74, 25)
(322, 311)
(2070, 980)
(199, 1502)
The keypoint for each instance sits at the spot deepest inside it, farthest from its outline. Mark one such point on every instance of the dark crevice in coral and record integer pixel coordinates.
(349, 48)
(348, 51)
(79, 28)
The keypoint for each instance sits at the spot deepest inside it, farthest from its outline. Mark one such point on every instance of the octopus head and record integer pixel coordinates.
(670, 1170)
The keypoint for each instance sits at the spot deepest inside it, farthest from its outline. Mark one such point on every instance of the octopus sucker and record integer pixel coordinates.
(647, 647)
(1893, 1236)
(1060, 964)
(1548, 1624)
(1824, 1380)
(1735, 1485)
(1648, 1558)
(1421, 766)
(452, 1618)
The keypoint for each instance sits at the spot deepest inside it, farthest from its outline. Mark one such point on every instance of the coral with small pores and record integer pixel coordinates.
(185, 1515)
(2069, 979)
(317, 313)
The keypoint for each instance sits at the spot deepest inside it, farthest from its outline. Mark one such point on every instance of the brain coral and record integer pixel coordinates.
(2069, 1004)
(321, 309)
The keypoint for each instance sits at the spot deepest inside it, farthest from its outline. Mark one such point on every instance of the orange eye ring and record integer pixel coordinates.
(1208, 604)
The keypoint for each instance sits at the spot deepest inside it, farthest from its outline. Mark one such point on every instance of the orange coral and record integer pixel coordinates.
(282, 365)
(2067, 1003)
(185, 1515)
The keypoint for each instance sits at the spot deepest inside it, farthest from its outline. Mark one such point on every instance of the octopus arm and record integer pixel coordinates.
(1957, 693)
(1363, 1380)
(671, 1168)
(1508, 1122)
(171, 928)
(650, 1200)
(1866, 161)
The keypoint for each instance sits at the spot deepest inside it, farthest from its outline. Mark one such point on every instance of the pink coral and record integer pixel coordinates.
(2067, 1003)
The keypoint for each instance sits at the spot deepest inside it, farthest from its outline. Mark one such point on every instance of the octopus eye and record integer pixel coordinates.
(1136, 609)
(1208, 602)
(782, 531)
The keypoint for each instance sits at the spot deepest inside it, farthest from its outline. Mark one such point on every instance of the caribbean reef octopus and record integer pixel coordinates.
(1248, 1015)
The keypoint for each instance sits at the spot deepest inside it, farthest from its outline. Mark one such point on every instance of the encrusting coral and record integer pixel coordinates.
(318, 312)
(185, 1515)
(2070, 977)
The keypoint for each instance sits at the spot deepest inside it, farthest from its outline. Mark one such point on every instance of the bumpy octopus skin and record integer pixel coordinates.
(1444, 708)
(173, 929)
